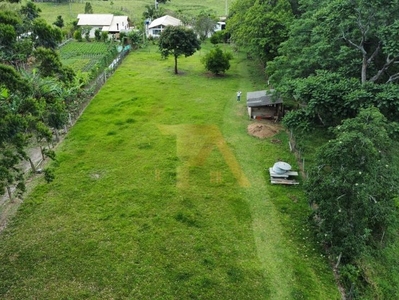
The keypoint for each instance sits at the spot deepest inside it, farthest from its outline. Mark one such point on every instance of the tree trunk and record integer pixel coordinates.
(42, 152)
(175, 64)
(364, 69)
(32, 165)
(57, 135)
(9, 193)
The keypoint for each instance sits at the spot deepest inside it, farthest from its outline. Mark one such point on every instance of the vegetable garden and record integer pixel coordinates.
(91, 57)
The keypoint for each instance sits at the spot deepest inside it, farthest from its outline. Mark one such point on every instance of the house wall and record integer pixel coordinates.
(155, 31)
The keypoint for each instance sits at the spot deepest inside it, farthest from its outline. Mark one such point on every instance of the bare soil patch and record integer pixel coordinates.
(263, 129)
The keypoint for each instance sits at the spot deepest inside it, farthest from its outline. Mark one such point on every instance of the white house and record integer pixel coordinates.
(104, 22)
(158, 25)
(220, 26)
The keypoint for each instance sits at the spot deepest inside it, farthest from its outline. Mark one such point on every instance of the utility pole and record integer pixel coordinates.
(226, 8)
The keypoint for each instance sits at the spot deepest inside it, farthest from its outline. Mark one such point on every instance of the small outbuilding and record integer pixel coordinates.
(264, 105)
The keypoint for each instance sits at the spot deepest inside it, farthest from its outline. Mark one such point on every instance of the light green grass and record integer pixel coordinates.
(121, 222)
(133, 9)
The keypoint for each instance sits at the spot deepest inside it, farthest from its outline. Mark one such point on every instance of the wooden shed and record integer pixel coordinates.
(264, 105)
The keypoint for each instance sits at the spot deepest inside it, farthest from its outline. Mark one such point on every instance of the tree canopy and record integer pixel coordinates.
(353, 185)
(217, 61)
(177, 41)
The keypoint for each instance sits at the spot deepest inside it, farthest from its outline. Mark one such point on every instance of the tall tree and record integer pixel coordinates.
(29, 13)
(45, 35)
(204, 24)
(354, 184)
(260, 26)
(177, 41)
(354, 38)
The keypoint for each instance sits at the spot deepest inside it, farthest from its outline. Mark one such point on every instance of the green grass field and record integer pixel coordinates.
(134, 9)
(160, 193)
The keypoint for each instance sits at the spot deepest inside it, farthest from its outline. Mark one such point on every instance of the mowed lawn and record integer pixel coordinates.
(160, 193)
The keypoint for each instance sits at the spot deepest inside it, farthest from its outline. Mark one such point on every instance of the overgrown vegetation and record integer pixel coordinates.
(338, 61)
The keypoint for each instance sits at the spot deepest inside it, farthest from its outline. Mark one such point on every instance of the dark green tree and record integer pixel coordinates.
(12, 80)
(45, 35)
(135, 38)
(259, 27)
(217, 61)
(50, 65)
(59, 22)
(97, 35)
(353, 38)
(177, 41)
(353, 185)
(30, 11)
(88, 8)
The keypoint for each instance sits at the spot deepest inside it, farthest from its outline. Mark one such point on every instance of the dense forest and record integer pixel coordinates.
(338, 61)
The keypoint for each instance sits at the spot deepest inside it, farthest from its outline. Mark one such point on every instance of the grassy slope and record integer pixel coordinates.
(116, 223)
(131, 8)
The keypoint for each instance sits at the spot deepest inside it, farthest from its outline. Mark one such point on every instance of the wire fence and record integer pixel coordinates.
(91, 90)
(296, 149)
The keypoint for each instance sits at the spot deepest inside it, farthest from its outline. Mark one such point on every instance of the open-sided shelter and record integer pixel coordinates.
(264, 105)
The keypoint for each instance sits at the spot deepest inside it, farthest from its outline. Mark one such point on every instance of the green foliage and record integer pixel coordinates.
(353, 185)
(204, 24)
(260, 26)
(221, 36)
(12, 80)
(329, 97)
(217, 61)
(177, 41)
(49, 175)
(30, 11)
(352, 38)
(97, 35)
(59, 22)
(46, 35)
(104, 36)
(88, 8)
(77, 35)
(17, 118)
(135, 38)
(151, 12)
(49, 62)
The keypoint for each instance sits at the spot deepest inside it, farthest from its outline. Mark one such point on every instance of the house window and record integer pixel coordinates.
(156, 32)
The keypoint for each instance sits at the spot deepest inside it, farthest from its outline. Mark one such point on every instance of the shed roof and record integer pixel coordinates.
(262, 98)
(95, 19)
(165, 21)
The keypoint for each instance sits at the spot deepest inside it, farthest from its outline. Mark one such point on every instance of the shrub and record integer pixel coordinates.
(78, 35)
(217, 61)
(97, 35)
